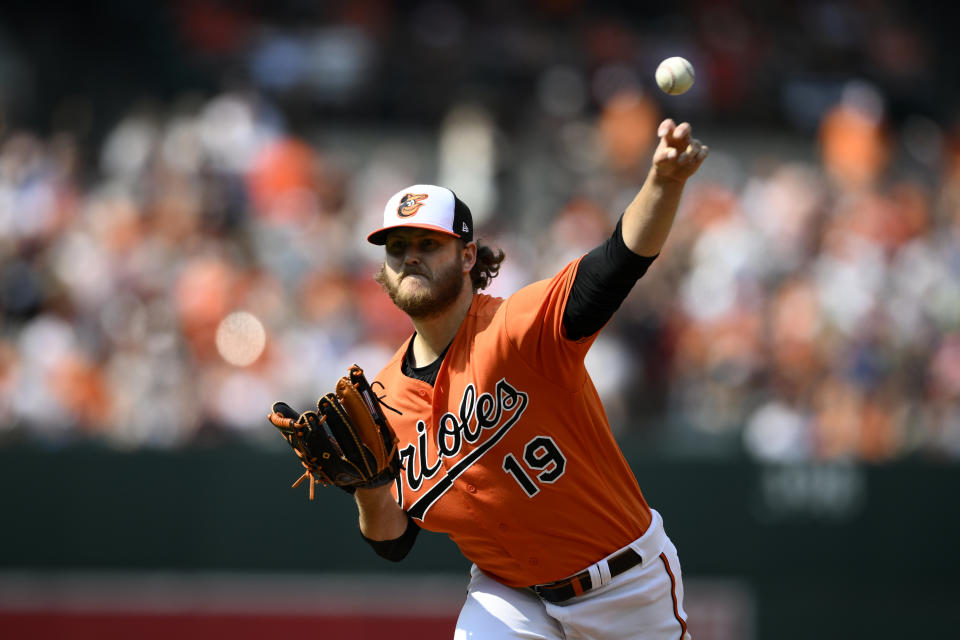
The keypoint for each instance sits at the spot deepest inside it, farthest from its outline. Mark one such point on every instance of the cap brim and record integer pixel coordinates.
(379, 237)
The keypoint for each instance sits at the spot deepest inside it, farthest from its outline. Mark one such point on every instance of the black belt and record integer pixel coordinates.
(580, 583)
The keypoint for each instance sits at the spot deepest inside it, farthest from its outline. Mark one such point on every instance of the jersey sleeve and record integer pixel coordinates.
(534, 325)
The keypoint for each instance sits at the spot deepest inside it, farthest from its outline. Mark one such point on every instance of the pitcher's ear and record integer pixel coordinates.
(469, 255)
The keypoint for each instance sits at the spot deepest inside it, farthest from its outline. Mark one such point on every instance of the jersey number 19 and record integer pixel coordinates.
(543, 457)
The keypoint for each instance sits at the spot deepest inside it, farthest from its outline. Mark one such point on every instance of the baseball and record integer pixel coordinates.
(675, 75)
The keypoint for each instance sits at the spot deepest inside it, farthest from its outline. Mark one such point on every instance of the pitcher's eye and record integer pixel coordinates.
(396, 247)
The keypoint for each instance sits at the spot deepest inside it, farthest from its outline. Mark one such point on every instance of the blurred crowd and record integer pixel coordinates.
(806, 306)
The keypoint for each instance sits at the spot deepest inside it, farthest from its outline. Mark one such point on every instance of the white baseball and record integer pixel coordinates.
(675, 75)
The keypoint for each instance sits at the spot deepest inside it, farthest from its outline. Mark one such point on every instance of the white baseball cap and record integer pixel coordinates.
(425, 206)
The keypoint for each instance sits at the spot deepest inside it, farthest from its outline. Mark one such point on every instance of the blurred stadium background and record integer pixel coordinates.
(184, 192)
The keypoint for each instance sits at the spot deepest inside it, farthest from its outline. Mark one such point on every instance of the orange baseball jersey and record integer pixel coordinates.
(510, 452)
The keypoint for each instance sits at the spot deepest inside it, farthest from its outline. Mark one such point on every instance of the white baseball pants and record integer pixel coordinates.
(643, 603)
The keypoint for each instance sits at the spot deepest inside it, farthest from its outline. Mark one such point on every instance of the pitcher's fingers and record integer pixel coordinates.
(680, 137)
(665, 155)
(666, 127)
(696, 157)
(691, 152)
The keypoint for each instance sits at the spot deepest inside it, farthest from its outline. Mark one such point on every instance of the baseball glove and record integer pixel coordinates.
(346, 442)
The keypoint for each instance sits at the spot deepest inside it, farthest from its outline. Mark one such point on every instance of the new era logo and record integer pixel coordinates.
(466, 229)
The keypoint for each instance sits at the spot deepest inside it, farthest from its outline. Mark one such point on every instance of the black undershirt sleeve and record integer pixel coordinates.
(397, 549)
(604, 278)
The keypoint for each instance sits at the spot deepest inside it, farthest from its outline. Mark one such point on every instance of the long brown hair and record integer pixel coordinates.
(487, 266)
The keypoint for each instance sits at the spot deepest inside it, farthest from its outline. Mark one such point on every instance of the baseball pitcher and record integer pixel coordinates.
(486, 426)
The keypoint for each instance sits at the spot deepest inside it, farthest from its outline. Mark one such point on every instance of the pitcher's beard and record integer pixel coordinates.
(443, 290)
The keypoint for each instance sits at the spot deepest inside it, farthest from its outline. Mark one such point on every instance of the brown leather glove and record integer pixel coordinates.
(346, 442)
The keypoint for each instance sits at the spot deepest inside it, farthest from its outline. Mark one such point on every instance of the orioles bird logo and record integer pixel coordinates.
(410, 203)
